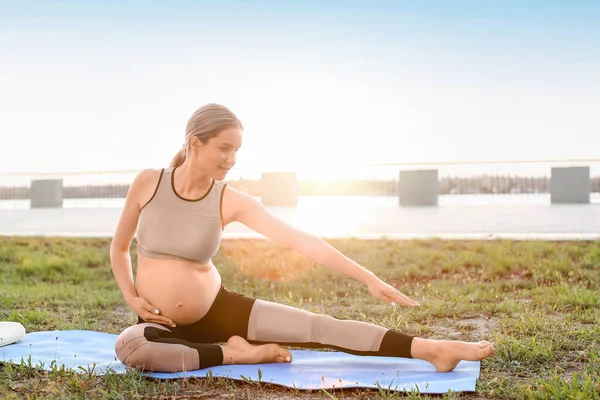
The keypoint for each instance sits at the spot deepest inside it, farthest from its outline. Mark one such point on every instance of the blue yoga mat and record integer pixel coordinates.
(309, 369)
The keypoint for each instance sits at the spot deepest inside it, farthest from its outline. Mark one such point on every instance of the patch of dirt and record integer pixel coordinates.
(470, 329)
(444, 332)
(483, 327)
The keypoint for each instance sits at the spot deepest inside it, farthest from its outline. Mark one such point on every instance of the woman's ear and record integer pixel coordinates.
(195, 144)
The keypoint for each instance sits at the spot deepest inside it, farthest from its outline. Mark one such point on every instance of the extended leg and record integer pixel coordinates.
(272, 322)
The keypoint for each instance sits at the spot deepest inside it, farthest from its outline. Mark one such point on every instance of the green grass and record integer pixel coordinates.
(537, 301)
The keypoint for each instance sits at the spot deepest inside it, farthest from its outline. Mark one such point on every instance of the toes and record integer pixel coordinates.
(278, 354)
(487, 350)
(284, 356)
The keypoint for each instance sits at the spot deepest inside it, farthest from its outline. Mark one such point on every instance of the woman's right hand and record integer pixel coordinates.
(148, 312)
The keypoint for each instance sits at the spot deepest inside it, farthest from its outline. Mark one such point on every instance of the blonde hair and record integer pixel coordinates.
(206, 123)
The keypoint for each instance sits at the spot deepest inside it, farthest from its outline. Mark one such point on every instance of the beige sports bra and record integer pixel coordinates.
(173, 227)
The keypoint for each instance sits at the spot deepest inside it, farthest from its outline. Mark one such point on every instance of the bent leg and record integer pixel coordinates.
(153, 347)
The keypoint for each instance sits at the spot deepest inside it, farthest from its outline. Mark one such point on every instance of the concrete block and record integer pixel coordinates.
(279, 189)
(570, 185)
(46, 193)
(418, 188)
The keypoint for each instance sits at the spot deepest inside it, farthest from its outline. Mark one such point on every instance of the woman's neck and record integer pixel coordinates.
(191, 182)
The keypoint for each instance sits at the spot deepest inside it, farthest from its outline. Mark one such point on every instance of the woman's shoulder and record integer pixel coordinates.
(145, 182)
(148, 176)
(149, 173)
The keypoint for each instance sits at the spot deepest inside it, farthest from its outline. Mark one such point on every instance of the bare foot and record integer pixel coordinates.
(239, 351)
(447, 354)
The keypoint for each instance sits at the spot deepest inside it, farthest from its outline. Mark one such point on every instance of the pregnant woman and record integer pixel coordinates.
(187, 319)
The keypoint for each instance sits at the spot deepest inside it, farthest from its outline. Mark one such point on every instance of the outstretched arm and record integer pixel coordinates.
(252, 213)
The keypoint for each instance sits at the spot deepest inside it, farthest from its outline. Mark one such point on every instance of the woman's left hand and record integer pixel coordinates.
(389, 294)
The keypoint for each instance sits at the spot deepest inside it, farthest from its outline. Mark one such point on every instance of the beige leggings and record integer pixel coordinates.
(155, 347)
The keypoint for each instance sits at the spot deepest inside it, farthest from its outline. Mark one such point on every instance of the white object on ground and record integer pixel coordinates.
(11, 332)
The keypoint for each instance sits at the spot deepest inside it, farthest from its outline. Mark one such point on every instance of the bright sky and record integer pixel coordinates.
(100, 85)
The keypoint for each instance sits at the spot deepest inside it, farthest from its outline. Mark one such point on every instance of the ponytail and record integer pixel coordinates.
(178, 159)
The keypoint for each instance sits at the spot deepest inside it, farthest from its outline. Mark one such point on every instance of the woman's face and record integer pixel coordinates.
(218, 155)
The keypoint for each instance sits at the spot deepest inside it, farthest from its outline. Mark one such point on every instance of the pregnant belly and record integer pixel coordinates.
(183, 291)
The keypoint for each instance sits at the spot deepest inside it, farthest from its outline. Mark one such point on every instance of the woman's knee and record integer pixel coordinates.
(130, 344)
